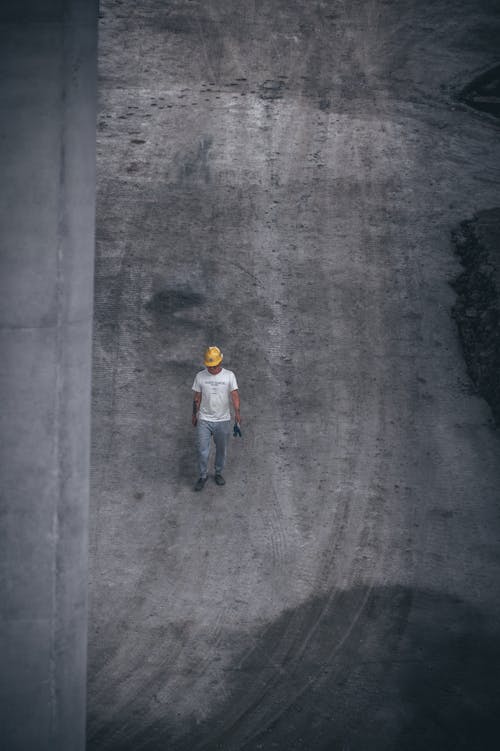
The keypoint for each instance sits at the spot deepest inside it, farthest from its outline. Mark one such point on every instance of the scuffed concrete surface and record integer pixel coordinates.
(483, 93)
(281, 179)
(477, 310)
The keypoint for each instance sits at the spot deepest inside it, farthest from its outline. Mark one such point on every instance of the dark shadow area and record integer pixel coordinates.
(388, 668)
(167, 302)
(477, 310)
(272, 89)
(483, 93)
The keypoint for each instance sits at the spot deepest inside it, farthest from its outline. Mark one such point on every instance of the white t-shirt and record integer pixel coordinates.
(215, 390)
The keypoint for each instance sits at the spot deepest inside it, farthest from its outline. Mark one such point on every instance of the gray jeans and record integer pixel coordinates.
(221, 432)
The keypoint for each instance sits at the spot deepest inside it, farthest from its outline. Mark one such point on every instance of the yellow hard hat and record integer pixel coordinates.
(213, 356)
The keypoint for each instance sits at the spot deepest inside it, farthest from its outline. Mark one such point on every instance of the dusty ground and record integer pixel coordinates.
(282, 179)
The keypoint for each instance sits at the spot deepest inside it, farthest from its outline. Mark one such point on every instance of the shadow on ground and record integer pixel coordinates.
(477, 308)
(383, 668)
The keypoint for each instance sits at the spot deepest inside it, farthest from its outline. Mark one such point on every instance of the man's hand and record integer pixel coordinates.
(196, 407)
(235, 397)
(236, 429)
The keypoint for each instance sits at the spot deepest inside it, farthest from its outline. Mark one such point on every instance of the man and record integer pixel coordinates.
(214, 389)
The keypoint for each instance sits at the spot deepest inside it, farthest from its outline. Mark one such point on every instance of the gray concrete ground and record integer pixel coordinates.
(281, 179)
(48, 62)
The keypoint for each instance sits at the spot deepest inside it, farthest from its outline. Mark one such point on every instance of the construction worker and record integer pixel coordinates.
(214, 389)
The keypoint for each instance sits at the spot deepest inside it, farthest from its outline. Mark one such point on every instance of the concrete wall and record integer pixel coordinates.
(47, 197)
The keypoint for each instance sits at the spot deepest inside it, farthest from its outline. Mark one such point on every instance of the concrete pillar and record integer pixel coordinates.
(47, 195)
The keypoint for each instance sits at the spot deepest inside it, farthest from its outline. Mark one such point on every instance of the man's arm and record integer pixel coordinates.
(196, 407)
(235, 397)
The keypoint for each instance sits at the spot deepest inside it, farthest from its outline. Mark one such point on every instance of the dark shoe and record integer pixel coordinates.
(219, 480)
(200, 484)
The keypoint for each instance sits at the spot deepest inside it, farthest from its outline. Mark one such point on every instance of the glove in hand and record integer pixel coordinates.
(237, 430)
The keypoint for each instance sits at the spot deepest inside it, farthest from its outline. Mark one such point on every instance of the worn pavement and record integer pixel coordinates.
(281, 179)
